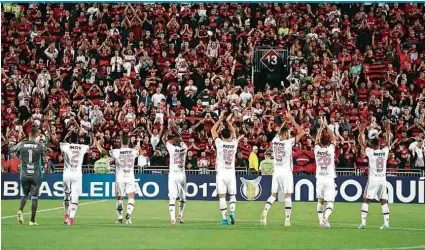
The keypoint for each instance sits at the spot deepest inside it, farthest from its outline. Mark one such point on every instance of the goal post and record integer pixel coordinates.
(269, 65)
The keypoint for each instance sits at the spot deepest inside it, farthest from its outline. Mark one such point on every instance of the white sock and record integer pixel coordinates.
(119, 209)
(288, 208)
(320, 212)
(130, 206)
(66, 200)
(223, 208)
(172, 209)
(73, 210)
(269, 203)
(328, 210)
(386, 213)
(365, 210)
(232, 203)
(182, 204)
(74, 206)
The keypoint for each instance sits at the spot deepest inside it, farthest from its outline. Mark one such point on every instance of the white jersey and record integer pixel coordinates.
(325, 162)
(74, 157)
(155, 141)
(377, 163)
(282, 155)
(124, 163)
(177, 157)
(420, 156)
(226, 154)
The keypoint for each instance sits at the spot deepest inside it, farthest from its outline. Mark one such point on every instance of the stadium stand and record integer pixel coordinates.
(103, 70)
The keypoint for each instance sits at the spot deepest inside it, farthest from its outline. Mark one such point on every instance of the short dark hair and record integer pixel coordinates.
(283, 131)
(34, 132)
(124, 140)
(374, 142)
(73, 138)
(324, 140)
(225, 133)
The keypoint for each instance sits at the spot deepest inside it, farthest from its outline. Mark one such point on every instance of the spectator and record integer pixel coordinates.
(191, 161)
(108, 70)
(14, 163)
(101, 166)
(143, 161)
(267, 165)
(4, 164)
(157, 159)
(241, 162)
(253, 160)
(346, 162)
(418, 154)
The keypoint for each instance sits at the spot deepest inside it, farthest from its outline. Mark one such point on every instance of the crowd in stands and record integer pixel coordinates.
(102, 71)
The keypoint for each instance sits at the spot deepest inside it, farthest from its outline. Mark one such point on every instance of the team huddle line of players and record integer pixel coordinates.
(226, 144)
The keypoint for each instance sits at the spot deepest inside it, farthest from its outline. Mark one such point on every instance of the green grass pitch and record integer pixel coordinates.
(96, 229)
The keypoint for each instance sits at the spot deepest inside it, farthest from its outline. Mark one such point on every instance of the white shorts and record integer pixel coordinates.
(124, 188)
(226, 184)
(177, 186)
(325, 189)
(376, 190)
(73, 185)
(283, 183)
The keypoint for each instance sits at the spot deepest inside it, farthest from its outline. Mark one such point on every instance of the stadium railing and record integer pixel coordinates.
(89, 169)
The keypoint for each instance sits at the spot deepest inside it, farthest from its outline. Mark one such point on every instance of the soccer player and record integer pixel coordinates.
(31, 153)
(227, 147)
(72, 176)
(177, 150)
(125, 182)
(376, 186)
(282, 176)
(324, 153)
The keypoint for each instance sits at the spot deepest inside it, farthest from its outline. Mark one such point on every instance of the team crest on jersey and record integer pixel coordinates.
(251, 189)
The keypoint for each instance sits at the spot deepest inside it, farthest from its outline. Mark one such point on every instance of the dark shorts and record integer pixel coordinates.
(31, 186)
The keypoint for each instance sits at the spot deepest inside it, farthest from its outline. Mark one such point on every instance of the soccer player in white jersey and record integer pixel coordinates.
(282, 179)
(227, 147)
(376, 186)
(324, 153)
(177, 150)
(125, 183)
(72, 176)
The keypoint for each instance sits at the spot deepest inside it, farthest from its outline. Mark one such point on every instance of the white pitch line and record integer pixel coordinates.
(391, 248)
(56, 208)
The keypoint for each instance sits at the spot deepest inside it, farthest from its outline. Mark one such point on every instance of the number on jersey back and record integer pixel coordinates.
(124, 163)
(74, 157)
(177, 156)
(226, 154)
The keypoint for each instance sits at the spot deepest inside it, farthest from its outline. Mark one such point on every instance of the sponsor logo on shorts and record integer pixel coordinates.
(251, 189)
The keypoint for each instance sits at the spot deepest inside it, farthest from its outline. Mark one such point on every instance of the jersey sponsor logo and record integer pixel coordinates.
(127, 152)
(251, 189)
(322, 153)
(229, 146)
(180, 150)
(378, 154)
(30, 145)
(75, 147)
(280, 144)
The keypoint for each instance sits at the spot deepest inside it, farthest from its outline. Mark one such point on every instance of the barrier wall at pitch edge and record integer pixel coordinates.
(203, 187)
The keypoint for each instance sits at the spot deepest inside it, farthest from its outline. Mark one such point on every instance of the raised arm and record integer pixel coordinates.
(388, 132)
(331, 135)
(319, 133)
(300, 130)
(214, 129)
(362, 138)
(101, 149)
(231, 128)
